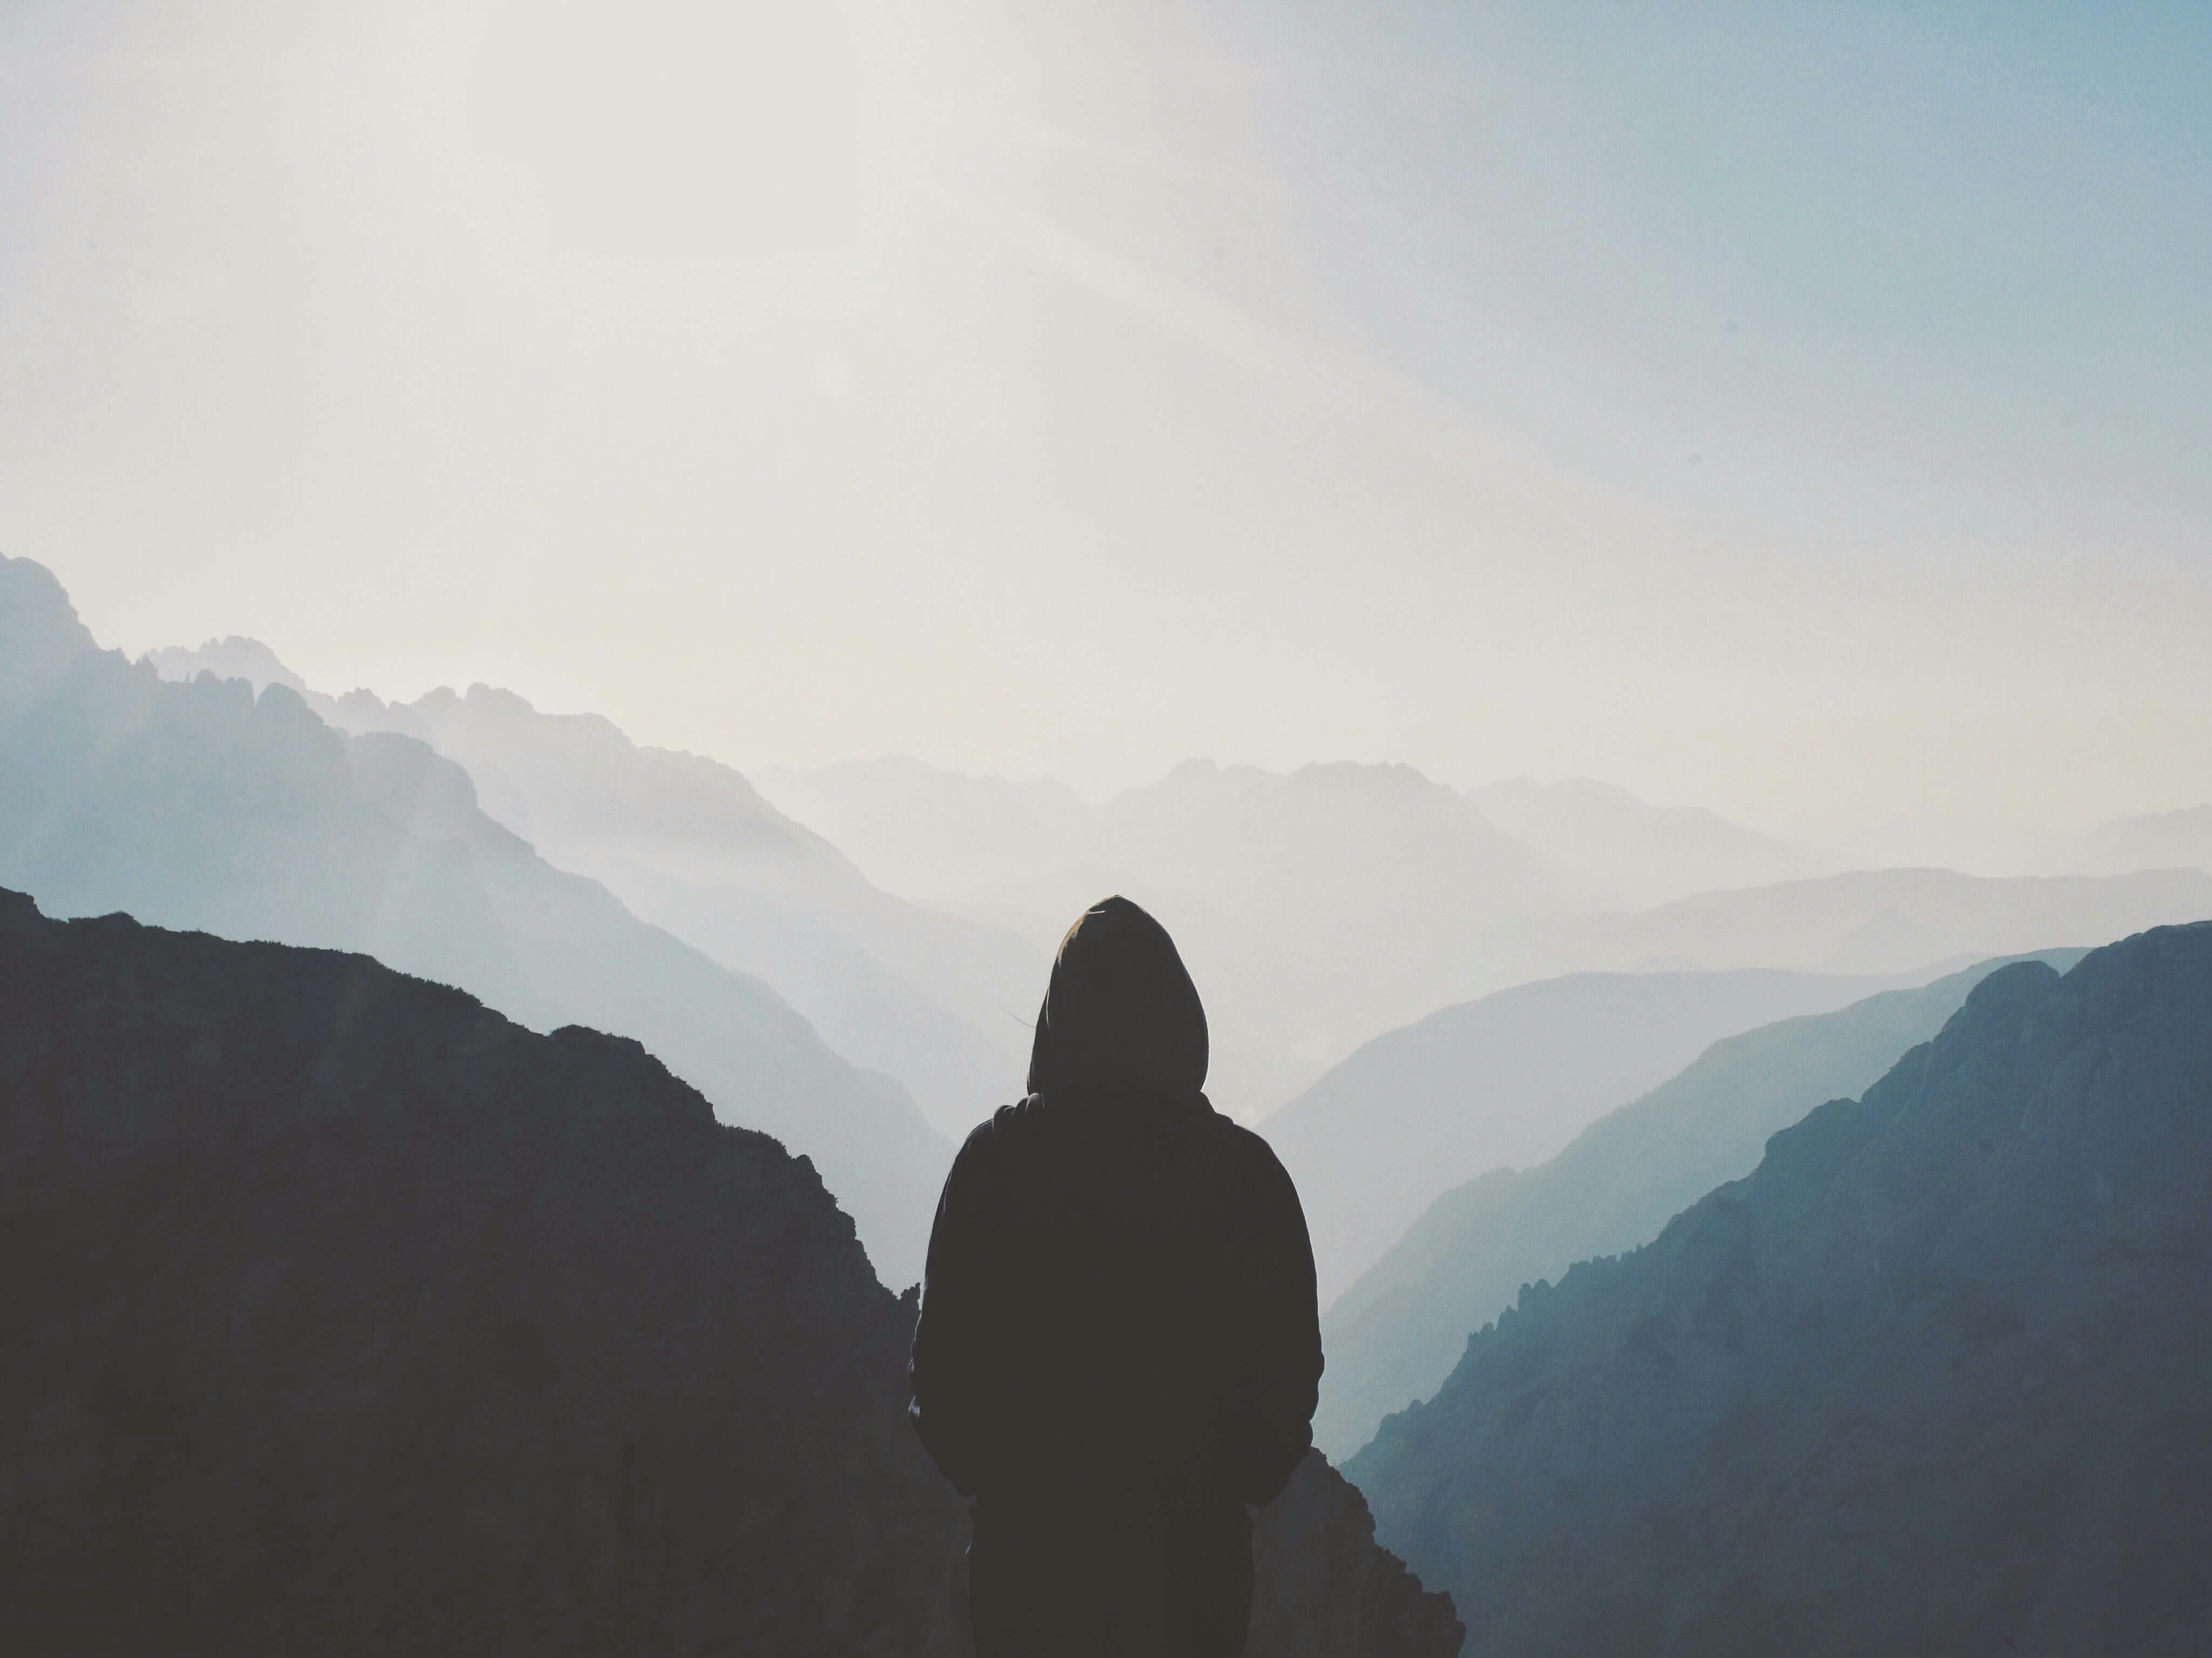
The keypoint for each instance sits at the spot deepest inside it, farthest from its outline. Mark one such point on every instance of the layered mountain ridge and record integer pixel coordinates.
(1929, 1380)
(1623, 852)
(1393, 1336)
(204, 806)
(1503, 1082)
(1323, 907)
(688, 844)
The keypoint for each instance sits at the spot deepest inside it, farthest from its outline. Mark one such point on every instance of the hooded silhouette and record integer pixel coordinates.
(1119, 1349)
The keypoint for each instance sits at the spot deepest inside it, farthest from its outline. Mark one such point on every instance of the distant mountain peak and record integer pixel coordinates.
(233, 657)
(2181, 839)
(39, 633)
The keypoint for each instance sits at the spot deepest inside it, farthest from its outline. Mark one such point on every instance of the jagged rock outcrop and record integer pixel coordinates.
(339, 1314)
(1929, 1380)
(1322, 1588)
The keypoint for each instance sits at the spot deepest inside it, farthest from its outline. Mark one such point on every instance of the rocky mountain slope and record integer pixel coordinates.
(340, 1314)
(1393, 1336)
(1504, 1082)
(1930, 1380)
(202, 805)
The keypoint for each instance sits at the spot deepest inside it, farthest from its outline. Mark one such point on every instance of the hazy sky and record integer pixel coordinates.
(1799, 409)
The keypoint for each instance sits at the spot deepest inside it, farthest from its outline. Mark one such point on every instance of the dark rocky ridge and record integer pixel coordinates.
(1931, 1380)
(338, 1313)
(1324, 1589)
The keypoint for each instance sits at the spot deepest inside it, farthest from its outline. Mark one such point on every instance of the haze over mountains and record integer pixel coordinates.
(346, 1316)
(1320, 908)
(1504, 1082)
(1312, 908)
(686, 843)
(908, 910)
(1929, 1380)
(1865, 921)
(1394, 1335)
(2165, 839)
(202, 805)
(1620, 853)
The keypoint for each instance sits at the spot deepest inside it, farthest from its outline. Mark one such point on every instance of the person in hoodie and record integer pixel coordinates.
(1118, 1352)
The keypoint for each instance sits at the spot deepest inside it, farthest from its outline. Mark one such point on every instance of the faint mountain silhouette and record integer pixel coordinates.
(941, 837)
(234, 657)
(1313, 908)
(943, 1005)
(1621, 853)
(1930, 1380)
(1322, 908)
(1892, 920)
(2162, 840)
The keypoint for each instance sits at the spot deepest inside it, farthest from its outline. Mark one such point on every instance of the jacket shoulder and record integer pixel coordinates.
(1248, 1145)
(1003, 1128)
(1247, 1152)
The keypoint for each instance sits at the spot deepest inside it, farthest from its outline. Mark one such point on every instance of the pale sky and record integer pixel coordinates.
(1799, 410)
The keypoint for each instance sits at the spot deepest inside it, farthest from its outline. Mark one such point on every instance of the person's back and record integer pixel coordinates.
(1118, 1348)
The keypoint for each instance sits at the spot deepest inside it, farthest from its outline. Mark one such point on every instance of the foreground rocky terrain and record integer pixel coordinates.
(339, 1314)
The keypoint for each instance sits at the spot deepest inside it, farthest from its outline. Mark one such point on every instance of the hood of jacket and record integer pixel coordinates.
(1120, 1014)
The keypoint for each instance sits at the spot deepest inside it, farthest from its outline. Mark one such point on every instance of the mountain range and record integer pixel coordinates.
(1323, 907)
(1308, 906)
(204, 805)
(2164, 839)
(343, 1315)
(1929, 1380)
(1620, 853)
(686, 843)
(1393, 1336)
(1888, 920)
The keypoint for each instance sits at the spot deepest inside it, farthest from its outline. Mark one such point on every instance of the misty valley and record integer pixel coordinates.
(466, 1179)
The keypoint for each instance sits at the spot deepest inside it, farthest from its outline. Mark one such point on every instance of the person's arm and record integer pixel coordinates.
(1271, 1427)
(948, 1370)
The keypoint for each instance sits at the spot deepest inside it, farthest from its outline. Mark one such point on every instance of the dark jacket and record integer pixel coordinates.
(1118, 1348)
